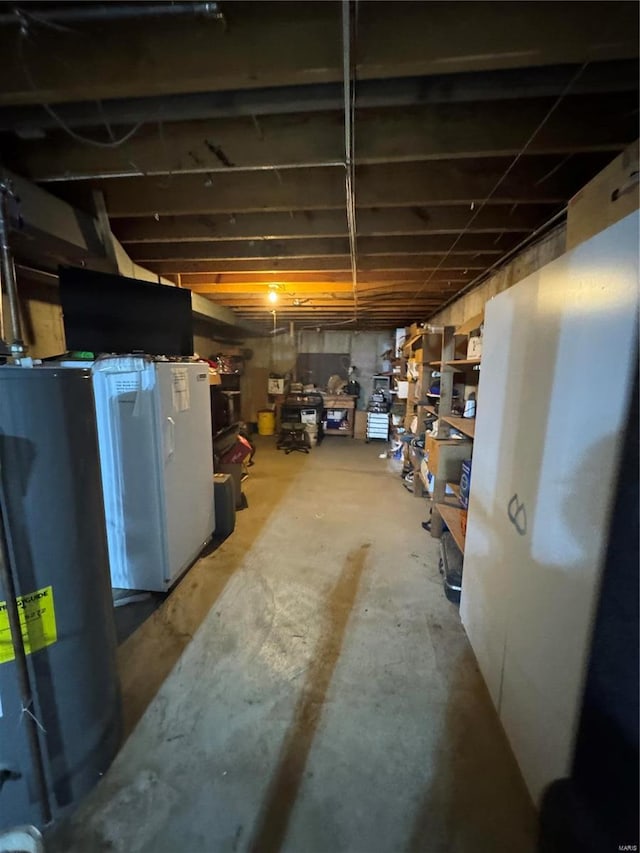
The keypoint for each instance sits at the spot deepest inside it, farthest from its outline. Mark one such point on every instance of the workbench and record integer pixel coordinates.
(343, 402)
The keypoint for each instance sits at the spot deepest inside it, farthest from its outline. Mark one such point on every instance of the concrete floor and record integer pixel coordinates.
(308, 688)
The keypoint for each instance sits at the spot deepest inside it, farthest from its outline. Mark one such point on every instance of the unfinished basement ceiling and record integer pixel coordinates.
(472, 126)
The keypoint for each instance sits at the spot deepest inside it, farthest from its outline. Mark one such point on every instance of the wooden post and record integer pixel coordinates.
(446, 398)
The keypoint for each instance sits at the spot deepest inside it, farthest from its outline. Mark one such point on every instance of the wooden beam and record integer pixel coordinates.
(260, 289)
(442, 132)
(474, 87)
(330, 223)
(321, 314)
(329, 307)
(276, 266)
(534, 180)
(482, 244)
(385, 278)
(290, 43)
(332, 297)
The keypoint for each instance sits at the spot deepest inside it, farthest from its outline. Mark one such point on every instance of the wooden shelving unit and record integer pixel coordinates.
(455, 488)
(464, 362)
(446, 509)
(421, 348)
(467, 426)
(452, 517)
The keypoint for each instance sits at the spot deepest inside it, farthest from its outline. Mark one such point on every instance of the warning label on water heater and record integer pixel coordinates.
(37, 620)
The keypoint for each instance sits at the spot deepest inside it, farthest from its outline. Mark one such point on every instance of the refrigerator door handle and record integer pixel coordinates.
(169, 438)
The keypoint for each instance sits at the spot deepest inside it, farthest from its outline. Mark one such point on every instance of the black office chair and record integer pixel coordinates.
(293, 437)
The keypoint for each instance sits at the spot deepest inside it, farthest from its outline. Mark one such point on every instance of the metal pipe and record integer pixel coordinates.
(349, 149)
(7, 269)
(501, 261)
(109, 12)
(195, 170)
(7, 578)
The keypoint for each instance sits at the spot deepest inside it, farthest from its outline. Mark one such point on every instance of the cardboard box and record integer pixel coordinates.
(402, 390)
(336, 415)
(430, 481)
(308, 416)
(275, 386)
(360, 429)
(474, 347)
(445, 455)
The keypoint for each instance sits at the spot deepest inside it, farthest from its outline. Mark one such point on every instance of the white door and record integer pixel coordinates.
(557, 365)
(129, 459)
(185, 423)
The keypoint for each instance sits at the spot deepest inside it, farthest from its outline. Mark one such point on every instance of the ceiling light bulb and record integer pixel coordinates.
(273, 296)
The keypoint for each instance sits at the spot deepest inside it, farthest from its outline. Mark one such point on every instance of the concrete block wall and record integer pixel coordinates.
(279, 354)
(366, 349)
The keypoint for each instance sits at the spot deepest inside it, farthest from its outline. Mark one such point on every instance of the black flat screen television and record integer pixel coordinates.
(104, 313)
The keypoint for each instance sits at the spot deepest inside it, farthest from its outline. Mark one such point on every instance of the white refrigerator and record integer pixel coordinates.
(154, 435)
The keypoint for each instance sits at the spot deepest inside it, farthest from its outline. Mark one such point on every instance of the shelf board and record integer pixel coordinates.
(467, 426)
(406, 346)
(455, 488)
(463, 362)
(471, 324)
(452, 516)
(435, 364)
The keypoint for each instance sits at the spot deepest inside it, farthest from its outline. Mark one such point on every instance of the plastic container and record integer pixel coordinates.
(266, 422)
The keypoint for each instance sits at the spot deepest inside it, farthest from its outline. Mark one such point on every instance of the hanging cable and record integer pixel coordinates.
(541, 229)
(506, 172)
(85, 140)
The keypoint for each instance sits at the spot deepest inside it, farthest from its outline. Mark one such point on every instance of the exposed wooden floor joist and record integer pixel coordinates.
(474, 123)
